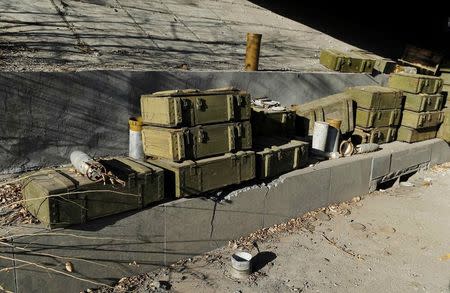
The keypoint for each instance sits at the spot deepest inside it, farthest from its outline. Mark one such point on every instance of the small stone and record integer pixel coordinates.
(358, 226)
(155, 284)
(356, 199)
(69, 267)
(427, 181)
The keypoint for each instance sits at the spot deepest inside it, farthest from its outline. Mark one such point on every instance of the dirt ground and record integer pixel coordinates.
(393, 240)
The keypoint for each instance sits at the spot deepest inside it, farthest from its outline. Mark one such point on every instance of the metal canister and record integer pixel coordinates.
(135, 148)
(320, 134)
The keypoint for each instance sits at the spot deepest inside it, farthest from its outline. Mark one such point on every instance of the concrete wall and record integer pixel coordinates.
(110, 248)
(44, 116)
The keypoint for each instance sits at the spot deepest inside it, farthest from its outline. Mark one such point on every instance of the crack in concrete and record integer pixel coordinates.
(186, 26)
(136, 24)
(83, 46)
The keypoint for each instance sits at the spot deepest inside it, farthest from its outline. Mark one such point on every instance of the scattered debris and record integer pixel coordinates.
(69, 267)
(11, 210)
(427, 181)
(406, 184)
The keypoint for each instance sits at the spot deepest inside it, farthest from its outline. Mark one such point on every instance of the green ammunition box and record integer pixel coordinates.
(423, 102)
(410, 135)
(196, 177)
(415, 83)
(338, 106)
(346, 61)
(278, 155)
(374, 135)
(269, 122)
(376, 97)
(196, 142)
(422, 120)
(193, 107)
(377, 118)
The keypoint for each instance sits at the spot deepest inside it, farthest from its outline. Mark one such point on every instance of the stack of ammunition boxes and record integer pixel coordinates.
(422, 113)
(202, 139)
(278, 151)
(378, 113)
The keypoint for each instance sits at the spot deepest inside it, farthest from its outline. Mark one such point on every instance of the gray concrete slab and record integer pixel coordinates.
(381, 163)
(45, 116)
(440, 152)
(60, 35)
(8, 278)
(304, 189)
(349, 178)
(406, 155)
(100, 252)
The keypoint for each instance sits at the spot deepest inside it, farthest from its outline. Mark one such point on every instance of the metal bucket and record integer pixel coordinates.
(241, 264)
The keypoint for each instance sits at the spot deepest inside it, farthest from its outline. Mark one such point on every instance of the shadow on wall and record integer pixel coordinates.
(45, 116)
(381, 29)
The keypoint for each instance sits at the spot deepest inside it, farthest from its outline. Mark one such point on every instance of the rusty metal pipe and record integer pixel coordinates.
(252, 51)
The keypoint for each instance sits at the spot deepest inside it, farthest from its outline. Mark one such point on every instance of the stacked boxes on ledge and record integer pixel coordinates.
(278, 151)
(378, 113)
(202, 139)
(422, 113)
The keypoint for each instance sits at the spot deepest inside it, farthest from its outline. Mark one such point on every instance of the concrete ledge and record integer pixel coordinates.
(132, 243)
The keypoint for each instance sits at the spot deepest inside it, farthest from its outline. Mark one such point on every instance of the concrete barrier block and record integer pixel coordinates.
(189, 228)
(242, 209)
(296, 193)
(405, 156)
(349, 178)
(440, 152)
(381, 164)
(103, 252)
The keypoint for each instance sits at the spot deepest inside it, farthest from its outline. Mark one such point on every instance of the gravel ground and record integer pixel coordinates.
(393, 240)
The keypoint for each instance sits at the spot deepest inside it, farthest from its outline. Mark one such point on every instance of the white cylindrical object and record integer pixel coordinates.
(87, 166)
(367, 148)
(320, 134)
(136, 150)
(135, 147)
(332, 145)
(80, 161)
(241, 264)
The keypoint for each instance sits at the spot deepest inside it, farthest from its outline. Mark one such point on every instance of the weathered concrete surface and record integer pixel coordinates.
(61, 35)
(44, 116)
(394, 240)
(137, 242)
